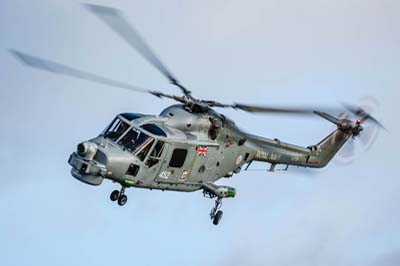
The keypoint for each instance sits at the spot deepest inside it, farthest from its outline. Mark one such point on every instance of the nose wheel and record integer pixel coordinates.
(216, 214)
(119, 196)
(114, 195)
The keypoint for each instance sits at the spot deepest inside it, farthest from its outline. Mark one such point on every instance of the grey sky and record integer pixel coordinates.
(257, 51)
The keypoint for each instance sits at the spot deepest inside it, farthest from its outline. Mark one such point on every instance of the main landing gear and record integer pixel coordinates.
(119, 196)
(211, 190)
(216, 213)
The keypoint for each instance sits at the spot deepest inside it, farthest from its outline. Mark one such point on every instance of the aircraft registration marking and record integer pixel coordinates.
(165, 174)
(267, 156)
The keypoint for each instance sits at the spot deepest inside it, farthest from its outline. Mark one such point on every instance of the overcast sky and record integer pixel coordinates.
(258, 51)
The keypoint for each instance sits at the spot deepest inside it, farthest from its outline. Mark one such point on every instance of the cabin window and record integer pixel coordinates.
(178, 158)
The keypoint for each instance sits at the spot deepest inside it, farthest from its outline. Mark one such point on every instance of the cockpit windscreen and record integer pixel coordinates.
(116, 129)
(137, 143)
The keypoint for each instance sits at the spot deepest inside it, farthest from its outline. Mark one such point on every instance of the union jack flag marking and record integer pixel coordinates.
(202, 151)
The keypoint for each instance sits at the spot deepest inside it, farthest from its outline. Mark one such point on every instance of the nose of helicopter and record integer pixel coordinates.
(84, 167)
(94, 160)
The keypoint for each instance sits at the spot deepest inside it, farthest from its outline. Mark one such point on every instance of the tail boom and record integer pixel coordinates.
(315, 156)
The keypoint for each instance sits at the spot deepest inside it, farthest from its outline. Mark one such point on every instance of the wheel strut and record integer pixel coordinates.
(217, 206)
(122, 191)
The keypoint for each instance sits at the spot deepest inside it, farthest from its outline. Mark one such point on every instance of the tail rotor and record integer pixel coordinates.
(364, 127)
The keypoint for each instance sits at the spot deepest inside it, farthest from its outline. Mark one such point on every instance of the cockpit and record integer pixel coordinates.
(136, 140)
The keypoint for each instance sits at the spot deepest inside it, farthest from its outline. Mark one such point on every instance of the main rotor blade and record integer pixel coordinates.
(274, 110)
(277, 110)
(115, 20)
(57, 68)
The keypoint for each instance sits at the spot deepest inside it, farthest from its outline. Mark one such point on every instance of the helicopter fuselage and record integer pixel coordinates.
(183, 151)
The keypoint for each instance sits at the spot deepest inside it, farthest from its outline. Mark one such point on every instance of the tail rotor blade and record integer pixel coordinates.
(368, 136)
(348, 151)
(363, 115)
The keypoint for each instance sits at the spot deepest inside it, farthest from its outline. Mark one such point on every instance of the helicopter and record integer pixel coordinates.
(189, 145)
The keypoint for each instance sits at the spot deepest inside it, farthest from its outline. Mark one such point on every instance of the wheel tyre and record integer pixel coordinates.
(217, 217)
(114, 195)
(122, 200)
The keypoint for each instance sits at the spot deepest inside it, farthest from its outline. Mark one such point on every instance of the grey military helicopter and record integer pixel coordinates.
(189, 146)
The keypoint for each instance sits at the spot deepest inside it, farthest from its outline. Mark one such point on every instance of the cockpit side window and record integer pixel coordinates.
(146, 148)
(155, 154)
(116, 129)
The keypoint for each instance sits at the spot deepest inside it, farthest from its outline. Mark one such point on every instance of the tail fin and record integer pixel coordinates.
(324, 151)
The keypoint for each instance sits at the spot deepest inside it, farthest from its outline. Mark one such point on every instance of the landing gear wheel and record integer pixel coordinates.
(122, 200)
(114, 195)
(217, 217)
